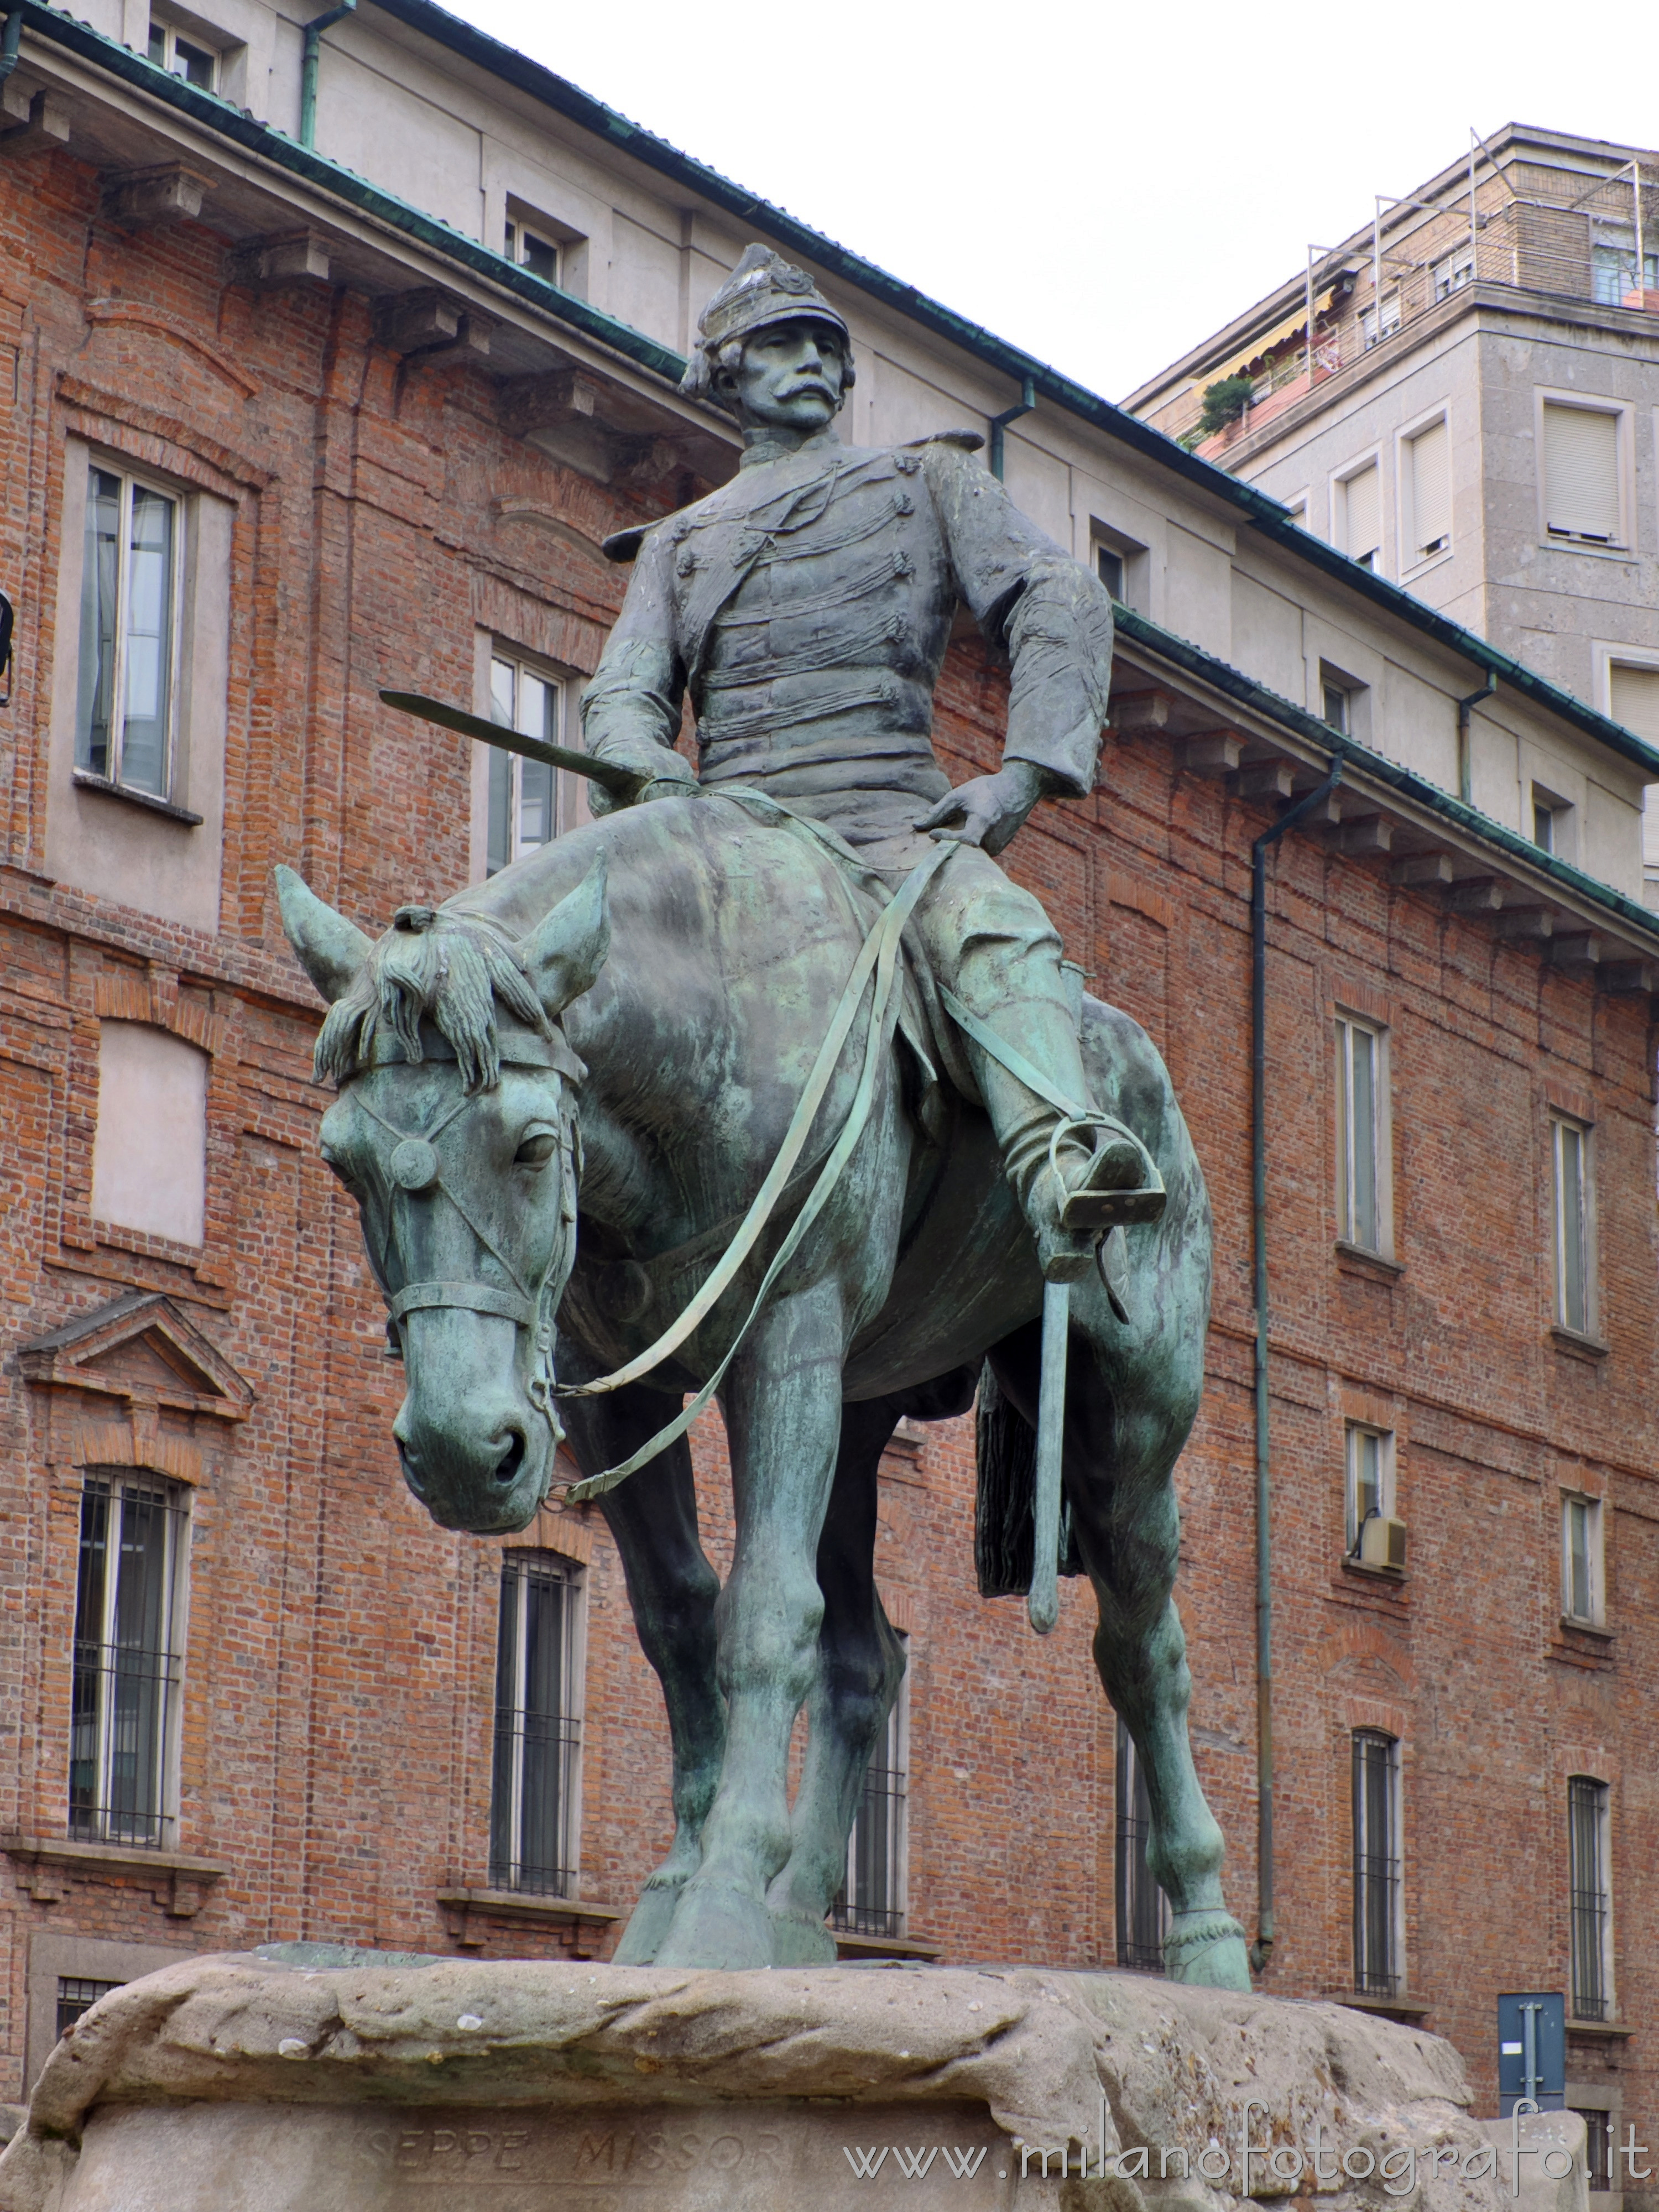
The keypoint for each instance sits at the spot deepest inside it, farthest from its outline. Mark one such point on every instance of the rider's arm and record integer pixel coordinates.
(1045, 610)
(631, 708)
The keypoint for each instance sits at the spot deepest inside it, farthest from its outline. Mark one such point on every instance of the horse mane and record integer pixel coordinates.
(433, 967)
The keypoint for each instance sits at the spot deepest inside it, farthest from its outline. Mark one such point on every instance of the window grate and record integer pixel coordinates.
(872, 1901)
(126, 1670)
(1591, 1904)
(1375, 1864)
(538, 1748)
(1143, 1910)
(77, 1995)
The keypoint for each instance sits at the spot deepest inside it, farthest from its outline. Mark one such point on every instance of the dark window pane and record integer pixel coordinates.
(541, 257)
(77, 1995)
(1143, 1911)
(1376, 1865)
(871, 1901)
(537, 1734)
(125, 1672)
(193, 64)
(1587, 1851)
(499, 832)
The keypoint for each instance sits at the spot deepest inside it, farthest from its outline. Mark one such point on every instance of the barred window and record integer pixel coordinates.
(1598, 2147)
(1592, 1902)
(535, 1795)
(127, 1663)
(872, 1901)
(1376, 1941)
(76, 1994)
(1143, 1910)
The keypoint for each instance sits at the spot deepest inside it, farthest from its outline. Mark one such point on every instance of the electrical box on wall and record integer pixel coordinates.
(1532, 2051)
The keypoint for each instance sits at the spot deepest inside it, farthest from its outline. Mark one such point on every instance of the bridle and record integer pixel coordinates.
(416, 1169)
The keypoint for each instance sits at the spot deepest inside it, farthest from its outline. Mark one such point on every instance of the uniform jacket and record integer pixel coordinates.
(806, 606)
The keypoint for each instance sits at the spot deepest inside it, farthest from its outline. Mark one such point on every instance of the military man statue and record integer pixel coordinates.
(807, 607)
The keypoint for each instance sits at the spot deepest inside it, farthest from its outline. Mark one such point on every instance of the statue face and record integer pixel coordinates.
(790, 377)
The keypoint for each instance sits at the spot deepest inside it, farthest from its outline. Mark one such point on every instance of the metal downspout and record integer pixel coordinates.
(8, 44)
(1000, 423)
(1261, 1949)
(309, 66)
(1465, 758)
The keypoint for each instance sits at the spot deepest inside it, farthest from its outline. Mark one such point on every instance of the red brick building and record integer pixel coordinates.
(273, 437)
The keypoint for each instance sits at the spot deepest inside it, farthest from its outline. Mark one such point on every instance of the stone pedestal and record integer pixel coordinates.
(259, 2084)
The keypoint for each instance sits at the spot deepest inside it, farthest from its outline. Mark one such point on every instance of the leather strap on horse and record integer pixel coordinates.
(880, 953)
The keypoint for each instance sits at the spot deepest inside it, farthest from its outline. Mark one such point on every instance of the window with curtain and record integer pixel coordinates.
(1581, 473)
(873, 1899)
(1428, 491)
(535, 1787)
(1143, 1910)
(523, 794)
(1376, 1934)
(127, 1662)
(1361, 1126)
(127, 695)
(1570, 1156)
(1591, 1900)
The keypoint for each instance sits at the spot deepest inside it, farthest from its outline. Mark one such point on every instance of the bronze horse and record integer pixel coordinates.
(610, 1038)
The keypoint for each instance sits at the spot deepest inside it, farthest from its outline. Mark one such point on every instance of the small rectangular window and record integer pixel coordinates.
(1336, 707)
(1376, 1936)
(127, 1662)
(128, 649)
(533, 1842)
(76, 1996)
(1360, 1125)
(1569, 1151)
(1598, 2148)
(1543, 826)
(873, 1899)
(1612, 267)
(1370, 1486)
(1143, 1910)
(1360, 499)
(1428, 491)
(1581, 473)
(1368, 323)
(1452, 274)
(1109, 567)
(1580, 1558)
(1592, 1903)
(523, 794)
(533, 252)
(180, 57)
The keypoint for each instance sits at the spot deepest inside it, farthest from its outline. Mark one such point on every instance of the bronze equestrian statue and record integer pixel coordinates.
(661, 1109)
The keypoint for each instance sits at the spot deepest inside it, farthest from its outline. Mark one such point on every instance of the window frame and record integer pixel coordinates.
(170, 35)
(1142, 1911)
(1348, 474)
(1131, 557)
(102, 1820)
(1588, 1327)
(497, 772)
(1346, 1024)
(131, 479)
(1594, 1555)
(508, 1868)
(849, 1914)
(1461, 272)
(1387, 1978)
(1353, 1520)
(1371, 334)
(1623, 545)
(1413, 561)
(1585, 1946)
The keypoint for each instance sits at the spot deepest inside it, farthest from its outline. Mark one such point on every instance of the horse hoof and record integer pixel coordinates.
(716, 1926)
(648, 1923)
(1206, 1949)
(799, 1941)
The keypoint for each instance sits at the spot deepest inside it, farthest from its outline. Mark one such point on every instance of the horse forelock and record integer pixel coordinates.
(437, 967)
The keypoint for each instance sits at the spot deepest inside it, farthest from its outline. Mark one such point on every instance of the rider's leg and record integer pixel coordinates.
(994, 945)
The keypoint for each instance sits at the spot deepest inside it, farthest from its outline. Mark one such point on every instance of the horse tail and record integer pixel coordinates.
(1005, 1503)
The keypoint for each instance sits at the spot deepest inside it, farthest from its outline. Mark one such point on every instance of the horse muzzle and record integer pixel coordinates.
(476, 1448)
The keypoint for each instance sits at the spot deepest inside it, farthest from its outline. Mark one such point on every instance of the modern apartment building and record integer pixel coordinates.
(1473, 410)
(327, 360)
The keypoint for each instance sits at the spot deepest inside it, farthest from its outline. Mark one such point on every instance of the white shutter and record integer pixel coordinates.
(1429, 454)
(1363, 499)
(1581, 471)
(1634, 700)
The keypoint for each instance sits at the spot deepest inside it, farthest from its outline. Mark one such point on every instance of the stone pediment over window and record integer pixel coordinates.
(142, 1348)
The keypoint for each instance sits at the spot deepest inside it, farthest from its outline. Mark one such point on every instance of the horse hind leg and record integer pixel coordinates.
(672, 1590)
(859, 1667)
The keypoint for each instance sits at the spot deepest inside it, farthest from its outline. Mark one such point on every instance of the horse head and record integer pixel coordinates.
(455, 1130)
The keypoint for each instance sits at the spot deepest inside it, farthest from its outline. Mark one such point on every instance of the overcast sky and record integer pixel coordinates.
(1100, 185)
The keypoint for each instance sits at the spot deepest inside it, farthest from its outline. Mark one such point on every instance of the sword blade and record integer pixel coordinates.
(622, 783)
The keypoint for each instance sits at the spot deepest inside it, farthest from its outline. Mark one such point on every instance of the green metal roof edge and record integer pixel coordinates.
(1264, 512)
(1223, 677)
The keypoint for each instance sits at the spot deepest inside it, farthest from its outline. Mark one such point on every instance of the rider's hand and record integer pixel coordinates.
(988, 810)
(670, 777)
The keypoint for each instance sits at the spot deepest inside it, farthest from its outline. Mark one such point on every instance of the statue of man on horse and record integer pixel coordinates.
(654, 1114)
(807, 607)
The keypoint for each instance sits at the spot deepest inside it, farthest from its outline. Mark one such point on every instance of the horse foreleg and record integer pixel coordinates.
(672, 1588)
(782, 1406)
(860, 1665)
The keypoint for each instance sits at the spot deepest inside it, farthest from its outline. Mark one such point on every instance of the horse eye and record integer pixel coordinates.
(537, 1150)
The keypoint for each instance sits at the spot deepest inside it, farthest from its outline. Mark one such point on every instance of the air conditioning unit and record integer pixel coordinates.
(1383, 1542)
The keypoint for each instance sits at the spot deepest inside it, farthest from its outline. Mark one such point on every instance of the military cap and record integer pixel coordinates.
(763, 289)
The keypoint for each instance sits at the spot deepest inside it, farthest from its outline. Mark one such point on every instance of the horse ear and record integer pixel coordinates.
(331, 949)
(565, 950)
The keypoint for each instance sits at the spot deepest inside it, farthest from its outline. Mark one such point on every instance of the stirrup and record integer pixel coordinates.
(1121, 1185)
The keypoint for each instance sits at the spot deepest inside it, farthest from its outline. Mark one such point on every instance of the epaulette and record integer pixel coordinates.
(969, 440)
(623, 545)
